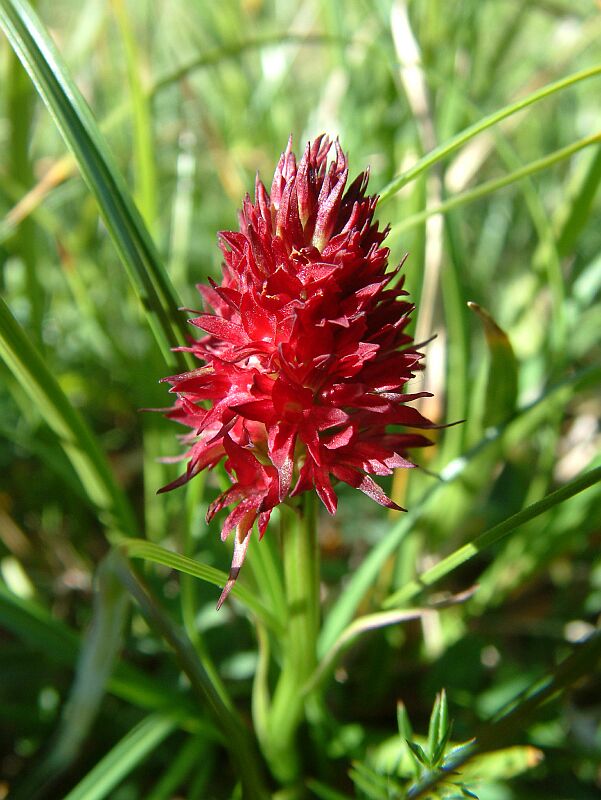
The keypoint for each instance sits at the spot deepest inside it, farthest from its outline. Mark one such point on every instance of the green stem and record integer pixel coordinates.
(301, 571)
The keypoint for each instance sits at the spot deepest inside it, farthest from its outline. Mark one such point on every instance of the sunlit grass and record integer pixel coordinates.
(480, 121)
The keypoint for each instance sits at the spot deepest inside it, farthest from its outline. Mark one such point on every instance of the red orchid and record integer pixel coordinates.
(305, 350)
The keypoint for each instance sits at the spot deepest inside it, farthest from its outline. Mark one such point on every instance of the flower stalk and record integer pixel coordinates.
(298, 531)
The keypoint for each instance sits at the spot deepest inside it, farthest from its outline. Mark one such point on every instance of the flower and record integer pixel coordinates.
(304, 349)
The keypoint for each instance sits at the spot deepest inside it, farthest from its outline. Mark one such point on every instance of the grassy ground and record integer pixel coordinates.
(191, 99)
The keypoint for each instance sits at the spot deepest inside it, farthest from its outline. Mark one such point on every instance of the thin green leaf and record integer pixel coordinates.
(359, 626)
(33, 624)
(492, 186)
(323, 792)
(145, 172)
(363, 578)
(261, 698)
(20, 107)
(237, 48)
(99, 650)
(74, 119)
(239, 741)
(139, 548)
(403, 721)
(188, 758)
(77, 440)
(124, 757)
(419, 753)
(266, 565)
(375, 786)
(502, 764)
(464, 136)
(490, 537)
(502, 383)
(434, 726)
(454, 300)
(580, 207)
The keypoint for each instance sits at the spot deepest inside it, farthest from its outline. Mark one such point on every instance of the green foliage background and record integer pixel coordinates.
(191, 99)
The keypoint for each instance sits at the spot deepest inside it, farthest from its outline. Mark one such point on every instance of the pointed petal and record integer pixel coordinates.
(241, 543)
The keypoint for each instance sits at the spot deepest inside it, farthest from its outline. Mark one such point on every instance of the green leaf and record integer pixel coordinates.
(359, 626)
(439, 730)
(139, 548)
(194, 755)
(52, 639)
(502, 764)
(443, 150)
(532, 168)
(492, 536)
(502, 383)
(439, 751)
(323, 792)
(433, 727)
(580, 206)
(100, 649)
(74, 119)
(143, 151)
(75, 437)
(418, 752)
(374, 785)
(363, 578)
(403, 721)
(124, 757)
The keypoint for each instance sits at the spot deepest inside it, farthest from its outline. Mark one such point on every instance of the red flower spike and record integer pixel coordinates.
(304, 350)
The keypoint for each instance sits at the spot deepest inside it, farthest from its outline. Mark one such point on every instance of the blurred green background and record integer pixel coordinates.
(193, 98)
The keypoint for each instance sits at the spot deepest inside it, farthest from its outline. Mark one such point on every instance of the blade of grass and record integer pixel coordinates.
(19, 112)
(502, 379)
(99, 651)
(192, 753)
(188, 591)
(33, 624)
(359, 626)
(124, 757)
(580, 207)
(144, 164)
(74, 119)
(233, 50)
(454, 302)
(77, 440)
(139, 548)
(490, 537)
(63, 168)
(341, 613)
(488, 121)
(489, 187)
(100, 648)
(237, 739)
(266, 565)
